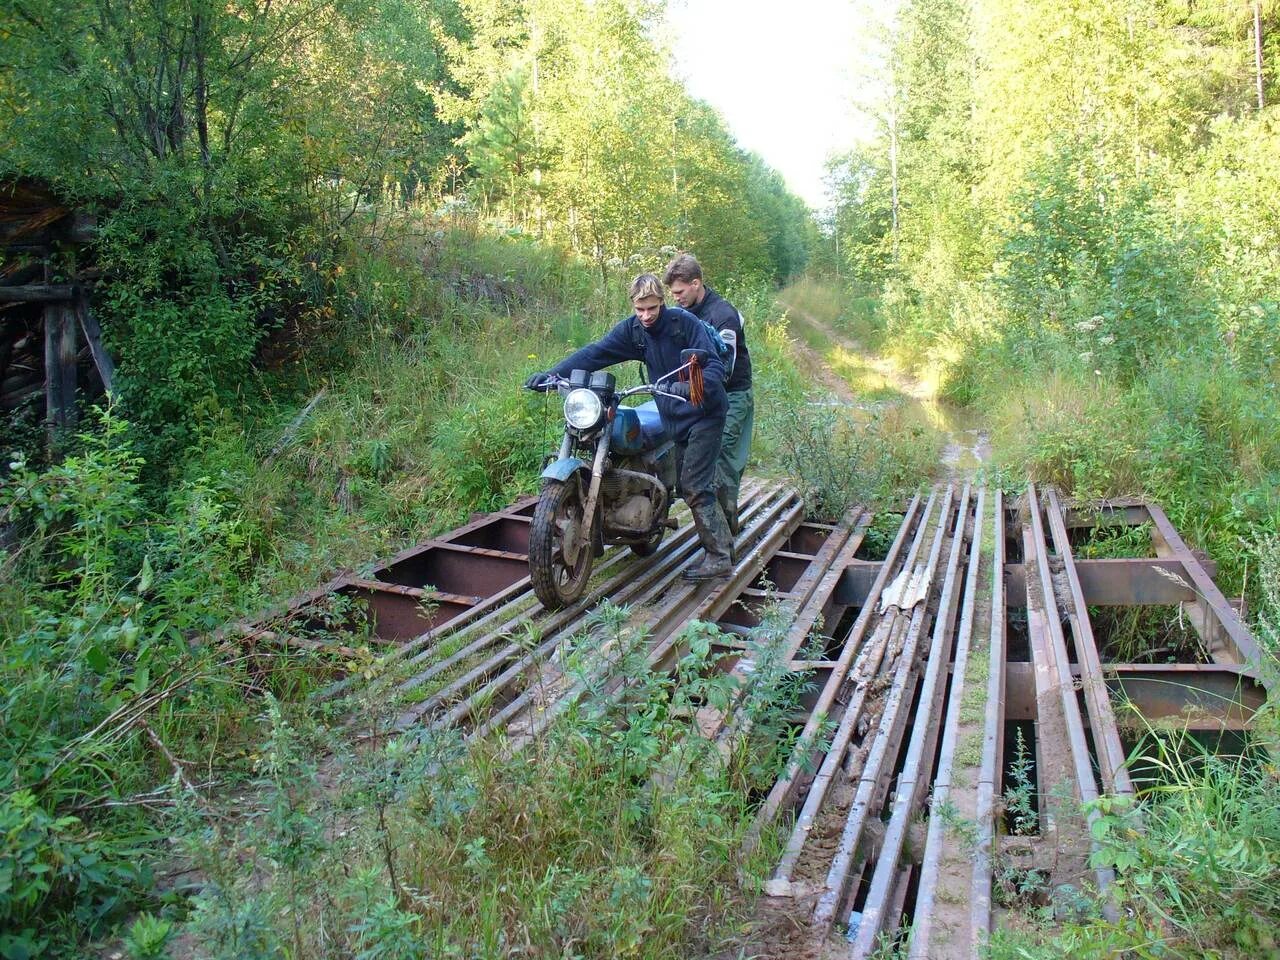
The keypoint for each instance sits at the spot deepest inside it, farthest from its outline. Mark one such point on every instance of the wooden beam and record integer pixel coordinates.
(93, 336)
(37, 293)
(59, 366)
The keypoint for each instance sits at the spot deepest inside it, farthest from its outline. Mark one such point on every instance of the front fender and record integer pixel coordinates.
(565, 468)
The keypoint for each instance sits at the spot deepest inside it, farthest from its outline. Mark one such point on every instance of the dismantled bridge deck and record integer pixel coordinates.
(981, 647)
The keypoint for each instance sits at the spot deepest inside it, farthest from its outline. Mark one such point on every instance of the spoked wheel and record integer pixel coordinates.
(559, 567)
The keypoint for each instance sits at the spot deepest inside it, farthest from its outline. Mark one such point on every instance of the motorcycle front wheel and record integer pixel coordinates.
(560, 557)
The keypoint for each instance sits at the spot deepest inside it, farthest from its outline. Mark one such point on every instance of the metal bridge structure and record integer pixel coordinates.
(982, 650)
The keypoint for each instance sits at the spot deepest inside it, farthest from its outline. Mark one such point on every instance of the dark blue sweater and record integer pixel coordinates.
(673, 331)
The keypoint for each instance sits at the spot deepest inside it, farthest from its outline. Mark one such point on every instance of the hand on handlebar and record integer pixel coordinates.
(679, 389)
(541, 382)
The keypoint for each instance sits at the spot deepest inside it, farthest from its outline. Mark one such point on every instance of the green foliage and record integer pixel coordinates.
(148, 938)
(52, 865)
(576, 133)
(1020, 796)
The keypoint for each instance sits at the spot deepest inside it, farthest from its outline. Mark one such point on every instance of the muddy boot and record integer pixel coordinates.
(717, 545)
(729, 506)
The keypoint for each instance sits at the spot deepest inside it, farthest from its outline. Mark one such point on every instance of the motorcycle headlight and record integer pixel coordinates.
(582, 409)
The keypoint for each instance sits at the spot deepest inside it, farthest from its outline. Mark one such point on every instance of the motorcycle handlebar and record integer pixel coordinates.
(554, 382)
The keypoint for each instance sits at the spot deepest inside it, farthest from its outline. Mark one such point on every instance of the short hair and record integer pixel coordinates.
(647, 285)
(684, 268)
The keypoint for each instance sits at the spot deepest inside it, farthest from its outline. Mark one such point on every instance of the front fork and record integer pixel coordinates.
(593, 492)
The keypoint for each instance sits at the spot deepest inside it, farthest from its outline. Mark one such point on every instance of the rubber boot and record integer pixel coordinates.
(713, 532)
(729, 505)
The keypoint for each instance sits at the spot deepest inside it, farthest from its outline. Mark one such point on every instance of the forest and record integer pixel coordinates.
(326, 242)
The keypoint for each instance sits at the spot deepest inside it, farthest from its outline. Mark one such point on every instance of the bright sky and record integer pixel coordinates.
(781, 72)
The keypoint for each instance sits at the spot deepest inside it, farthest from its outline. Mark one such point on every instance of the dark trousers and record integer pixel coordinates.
(696, 461)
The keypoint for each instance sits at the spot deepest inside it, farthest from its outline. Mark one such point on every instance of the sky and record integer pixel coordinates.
(782, 74)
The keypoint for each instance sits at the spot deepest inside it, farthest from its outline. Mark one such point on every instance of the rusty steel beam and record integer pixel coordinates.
(887, 635)
(1053, 673)
(909, 787)
(884, 747)
(769, 518)
(1214, 619)
(662, 624)
(1122, 582)
(1122, 512)
(1198, 696)
(810, 597)
(781, 792)
(855, 582)
(992, 746)
(935, 839)
(1106, 739)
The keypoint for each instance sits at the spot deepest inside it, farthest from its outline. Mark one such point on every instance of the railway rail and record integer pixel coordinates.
(980, 647)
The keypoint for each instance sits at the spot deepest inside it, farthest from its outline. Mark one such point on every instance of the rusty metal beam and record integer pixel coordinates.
(1057, 670)
(1123, 582)
(884, 746)
(826, 705)
(1199, 696)
(1214, 619)
(1106, 739)
(992, 746)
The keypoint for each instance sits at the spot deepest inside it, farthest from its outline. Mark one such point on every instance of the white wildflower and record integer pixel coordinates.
(1086, 356)
(1107, 339)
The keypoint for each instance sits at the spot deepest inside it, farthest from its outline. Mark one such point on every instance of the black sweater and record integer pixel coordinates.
(673, 331)
(720, 313)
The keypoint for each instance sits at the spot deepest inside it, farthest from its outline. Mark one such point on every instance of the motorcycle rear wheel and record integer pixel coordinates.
(559, 572)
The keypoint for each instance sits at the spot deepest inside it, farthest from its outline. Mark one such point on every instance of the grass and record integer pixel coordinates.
(617, 832)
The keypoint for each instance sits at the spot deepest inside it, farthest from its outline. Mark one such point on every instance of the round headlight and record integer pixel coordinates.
(582, 409)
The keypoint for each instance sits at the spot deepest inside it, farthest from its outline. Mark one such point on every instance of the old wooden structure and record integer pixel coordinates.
(51, 346)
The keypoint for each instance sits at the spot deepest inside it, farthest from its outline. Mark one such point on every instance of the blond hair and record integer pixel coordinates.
(647, 285)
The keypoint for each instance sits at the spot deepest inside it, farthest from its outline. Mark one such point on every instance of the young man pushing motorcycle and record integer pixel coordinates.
(657, 334)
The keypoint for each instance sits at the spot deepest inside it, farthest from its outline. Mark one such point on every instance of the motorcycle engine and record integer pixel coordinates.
(633, 512)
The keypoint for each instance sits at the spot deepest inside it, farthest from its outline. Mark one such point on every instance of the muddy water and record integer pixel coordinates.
(968, 442)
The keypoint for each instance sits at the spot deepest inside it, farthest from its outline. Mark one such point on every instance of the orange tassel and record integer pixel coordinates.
(694, 376)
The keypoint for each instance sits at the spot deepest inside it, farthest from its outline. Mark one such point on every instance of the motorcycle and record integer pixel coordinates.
(612, 482)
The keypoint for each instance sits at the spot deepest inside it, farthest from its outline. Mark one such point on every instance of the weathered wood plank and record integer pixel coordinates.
(37, 293)
(93, 335)
(59, 366)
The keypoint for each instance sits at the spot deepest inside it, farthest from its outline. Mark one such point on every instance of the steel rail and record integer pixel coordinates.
(867, 668)
(808, 614)
(662, 625)
(920, 748)
(852, 647)
(1106, 737)
(487, 614)
(1065, 683)
(922, 928)
(665, 571)
(815, 585)
(992, 746)
(888, 735)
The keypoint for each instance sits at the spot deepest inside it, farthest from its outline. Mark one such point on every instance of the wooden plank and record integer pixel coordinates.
(60, 348)
(37, 293)
(93, 336)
